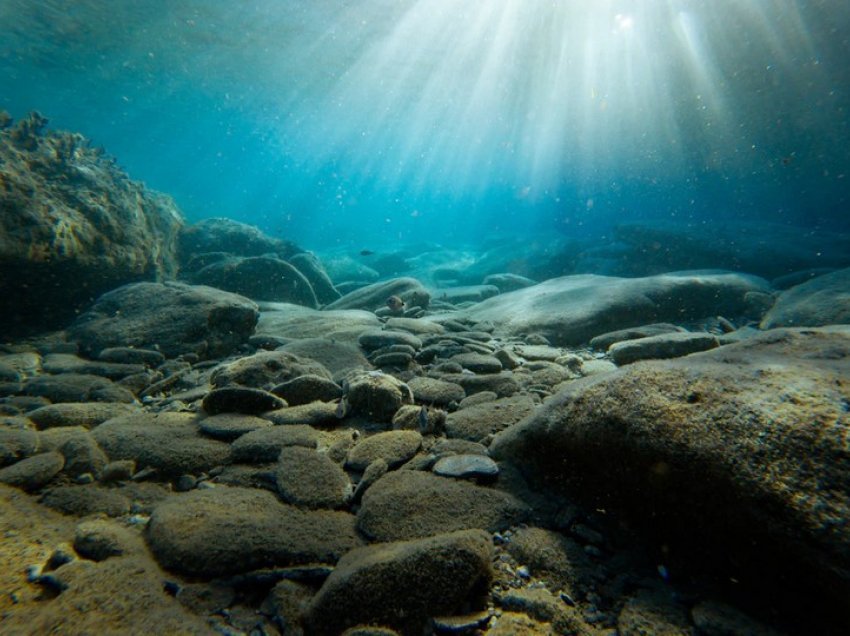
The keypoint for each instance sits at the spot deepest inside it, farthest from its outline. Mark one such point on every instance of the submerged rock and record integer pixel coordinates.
(171, 317)
(71, 216)
(824, 300)
(259, 278)
(742, 449)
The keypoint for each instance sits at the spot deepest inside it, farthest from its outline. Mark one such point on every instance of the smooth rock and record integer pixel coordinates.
(336, 357)
(394, 447)
(478, 363)
(33, 472)
(311, 267)
(403, 584)
(409, 504)
(476, 422)
(821, 301)
(132, 355)
(77, 387)
(377, 338)
(173, 318)
(99, 539)
(375, 296)
(17, 444)
(86, 500)
(467, 467)
(225, 531)
(264, 445)
(78, 447)
(432, 391)
(87, 414)
(377, 395)
(308, 388)
(228, 427)
(605, 340)
(259, 278)
(660, 347)
(265, 370)
(294, 321)
(314, 414)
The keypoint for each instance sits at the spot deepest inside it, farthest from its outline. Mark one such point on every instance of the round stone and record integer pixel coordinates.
(467, 467)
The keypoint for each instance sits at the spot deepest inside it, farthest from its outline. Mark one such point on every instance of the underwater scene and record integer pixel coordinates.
(414, 317)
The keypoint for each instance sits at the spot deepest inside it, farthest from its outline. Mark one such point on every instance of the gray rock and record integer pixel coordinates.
(467, 467)
(377, 395)
(87, 414)
(466, 294)
(375, 296)
(169, 442)
(415, 326)
(407, 583)
(373, 473)
(310, 266)
(99, 539)
(131, 355)
(314, 414)
(508, 282)
(230, 426)
(573, 309)
(224, 531)
(474, 423)
(702, 442)
(432, 391)
(240, 399)
(394, 447)
(229, 236)
(80, 501)
(480, 398)
(409, 504)
(478, 363)
(377, 338)
(259, 278)
(668, 345)
(398, 360)
(308, 388)
(56, 363)
(502, 384)
(172, 317)
(309, 479)
(821, 301)
(33, 472)
(76, 387)
(605, 340)
(265, 370)
(264, 445)
(120, 470)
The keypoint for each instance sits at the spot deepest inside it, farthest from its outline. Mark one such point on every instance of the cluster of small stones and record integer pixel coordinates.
(244, 421)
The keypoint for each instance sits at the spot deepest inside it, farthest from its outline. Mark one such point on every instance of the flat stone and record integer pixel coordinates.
(476, 422)
(660, 347)
(408, 504)
(77, 387)
(225, 531)
(432, 391)
(372, 297)
(377, 338)
(131, 355)
(79, 448)
(415, 326)
(169, 442)
(336, 356)
(230, 426)
(265, 370)
(478, 363)
(87, 414)
(309, 479)
(238, 399)
(86, 500)
(313, 414)
(821, 301)
(605, 340)
(264, 445)
(408, 582)
(467, 467)
(394, 447)
(99, 539)
(308, 388)
(502, 384)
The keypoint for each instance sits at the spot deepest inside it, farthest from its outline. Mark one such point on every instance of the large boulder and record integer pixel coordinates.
(171, 317)
(72, 226)
(824, 300)
(309, 265)
(573, 309)
(740, 454)
(259, 278)
(293, 321)
(403, 584)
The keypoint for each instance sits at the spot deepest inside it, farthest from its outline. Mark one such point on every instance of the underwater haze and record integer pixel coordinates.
(380, 122)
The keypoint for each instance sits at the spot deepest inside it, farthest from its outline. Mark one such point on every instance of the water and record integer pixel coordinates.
(374, 124)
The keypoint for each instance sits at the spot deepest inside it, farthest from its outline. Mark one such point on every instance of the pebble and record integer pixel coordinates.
(467, 466)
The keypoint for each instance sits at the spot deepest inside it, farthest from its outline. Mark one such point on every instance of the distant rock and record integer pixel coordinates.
(259, 278)
(72, 226)
(605, 340)
(225, 531)
(737, 451)
(172, 318)
(230, 237)
(468, 293)
(311, 267)
(77, 387)
(293, 321)
(407, 582)
(375, 296)
(824, 300)
(662, 346)
(336, 357)
(508, 282)
(573, 309)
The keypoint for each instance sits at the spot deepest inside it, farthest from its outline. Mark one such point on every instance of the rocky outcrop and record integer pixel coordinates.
(72, 226)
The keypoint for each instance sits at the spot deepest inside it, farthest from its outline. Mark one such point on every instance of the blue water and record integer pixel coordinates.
(381, 122)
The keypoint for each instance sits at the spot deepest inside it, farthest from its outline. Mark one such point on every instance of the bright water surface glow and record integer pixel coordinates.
(388, 120)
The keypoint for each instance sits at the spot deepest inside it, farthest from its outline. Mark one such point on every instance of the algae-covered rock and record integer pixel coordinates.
(69, 215)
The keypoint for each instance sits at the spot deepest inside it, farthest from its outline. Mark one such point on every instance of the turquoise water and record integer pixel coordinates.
(381, 122)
